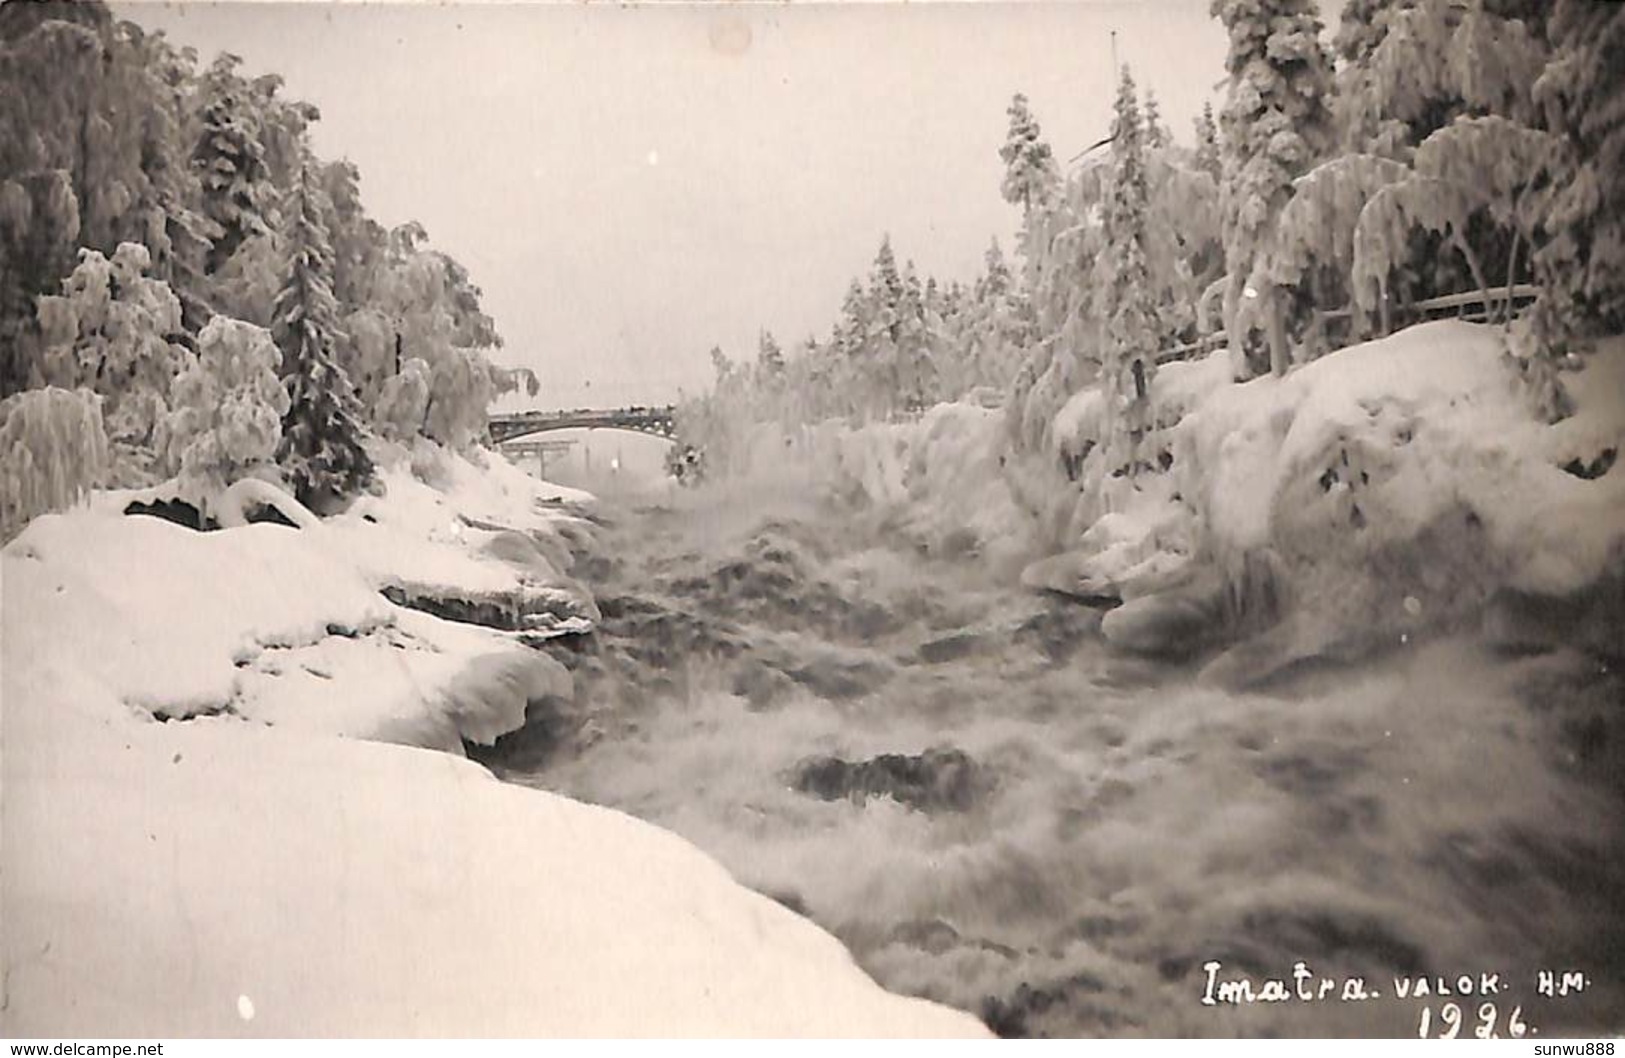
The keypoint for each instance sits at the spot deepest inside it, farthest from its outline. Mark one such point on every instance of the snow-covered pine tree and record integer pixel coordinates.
(1277, 124)
(230, 161)
(1131, 324)
(1362, 26)
(770, 376)
(1582, 95)
(1031, 182)
(91, 156)
(1420, 64)
(1208, 158)
(916, 371)
(878, 364)
(1029, 167)
(359, 242)
(1157, 135)
(320, 452)
(769, 357)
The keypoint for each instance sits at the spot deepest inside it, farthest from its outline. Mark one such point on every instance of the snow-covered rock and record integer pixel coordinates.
(468, 550)
(1396, 486)
(1385, 490)
(261, 622)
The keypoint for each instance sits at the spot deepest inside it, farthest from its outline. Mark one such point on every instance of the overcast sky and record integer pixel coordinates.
(630, 185)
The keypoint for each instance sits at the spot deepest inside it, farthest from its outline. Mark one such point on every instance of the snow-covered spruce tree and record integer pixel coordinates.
(1582, 95)
(878, 364)
(916, 368)
(1157, 135)
(1031, 180)
(359, 242)
(91, 156)
(769, 357)
(320, 453)
(226, 410)
(230, 161)
(1208, 158)
(999, 323)
(1132, 328)
(1362, 26)
(1277, 124)
(1029, 166)
(52, 451)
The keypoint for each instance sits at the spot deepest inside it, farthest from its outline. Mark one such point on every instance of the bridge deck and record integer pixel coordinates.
(655, 421)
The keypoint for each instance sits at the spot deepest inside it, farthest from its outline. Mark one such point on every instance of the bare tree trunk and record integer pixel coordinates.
(1239, 371)
(1475, 267)
(1280, 350)
(1512, 274)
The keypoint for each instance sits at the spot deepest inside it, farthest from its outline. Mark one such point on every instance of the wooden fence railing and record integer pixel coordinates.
(1475, 305)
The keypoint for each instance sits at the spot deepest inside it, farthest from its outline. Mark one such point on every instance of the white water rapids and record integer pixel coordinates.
(1107, 828)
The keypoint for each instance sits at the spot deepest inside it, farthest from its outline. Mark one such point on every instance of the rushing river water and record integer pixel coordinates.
(955, 777)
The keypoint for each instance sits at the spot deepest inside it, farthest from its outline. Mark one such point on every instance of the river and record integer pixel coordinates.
(958, 779)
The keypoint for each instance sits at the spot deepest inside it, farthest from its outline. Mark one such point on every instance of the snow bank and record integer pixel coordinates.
(1387, 438)
(483, 549)
(262, 622)
(216, 879)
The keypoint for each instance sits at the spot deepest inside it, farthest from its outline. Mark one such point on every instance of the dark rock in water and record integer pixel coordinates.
(1057, 633)
(1129, 672)
(1023, 1014)
(657, 636)
(836, 678)
(1071, 574)
(1593, 620)
(936, 780)
(1172, 624)
(950, 648)
(761, 684)
(938, 937)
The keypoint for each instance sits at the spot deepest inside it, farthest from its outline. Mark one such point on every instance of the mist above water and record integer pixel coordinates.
(1441, 811)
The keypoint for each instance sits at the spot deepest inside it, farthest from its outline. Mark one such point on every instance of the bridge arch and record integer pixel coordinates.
(658, 422)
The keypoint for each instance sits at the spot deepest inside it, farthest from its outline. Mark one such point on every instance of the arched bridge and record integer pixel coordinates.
(655, 421)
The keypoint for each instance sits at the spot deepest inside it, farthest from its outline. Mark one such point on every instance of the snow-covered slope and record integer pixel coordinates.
(1388, 489)
(167, 880)
(203, 836)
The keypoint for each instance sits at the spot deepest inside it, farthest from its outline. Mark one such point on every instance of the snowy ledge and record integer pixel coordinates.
(201, 840)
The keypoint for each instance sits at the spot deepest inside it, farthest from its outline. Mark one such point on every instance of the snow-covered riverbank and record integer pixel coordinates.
(205, 833)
